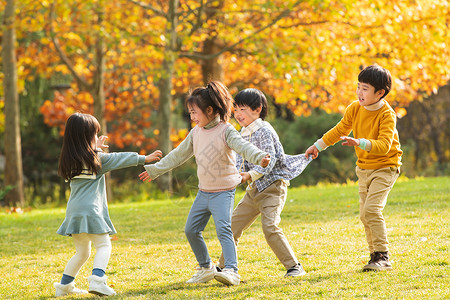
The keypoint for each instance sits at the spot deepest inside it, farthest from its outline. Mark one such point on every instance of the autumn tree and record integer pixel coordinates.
(304, 54)
(427, 125)
(13, 152)
(324, 48)
(191, 30)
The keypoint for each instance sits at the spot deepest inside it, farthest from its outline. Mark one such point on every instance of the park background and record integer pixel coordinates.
(131, 64)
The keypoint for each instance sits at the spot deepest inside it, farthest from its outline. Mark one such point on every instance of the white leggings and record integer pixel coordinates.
(82, 241)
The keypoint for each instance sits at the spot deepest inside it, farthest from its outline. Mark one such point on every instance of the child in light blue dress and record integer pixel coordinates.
(87, 218)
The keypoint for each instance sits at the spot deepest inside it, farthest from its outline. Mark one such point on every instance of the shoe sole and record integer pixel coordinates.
(201, 281)
(301, 274)
(99, 294)
(375, 269)
(223, 280)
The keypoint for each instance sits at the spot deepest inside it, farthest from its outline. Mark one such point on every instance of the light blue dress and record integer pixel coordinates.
(87, 208)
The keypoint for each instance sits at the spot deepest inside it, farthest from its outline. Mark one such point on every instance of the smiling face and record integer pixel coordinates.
(199, 117)
(367, 95)
(245, 115)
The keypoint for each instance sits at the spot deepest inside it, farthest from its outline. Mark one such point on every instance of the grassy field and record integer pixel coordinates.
(151, 257)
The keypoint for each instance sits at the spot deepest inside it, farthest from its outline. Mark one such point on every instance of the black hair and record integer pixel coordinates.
(252, 98)
(78, 151)
(216, 95)
(378, 77)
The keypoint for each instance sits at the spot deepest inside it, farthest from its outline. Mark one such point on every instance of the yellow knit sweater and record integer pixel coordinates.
(376, 126)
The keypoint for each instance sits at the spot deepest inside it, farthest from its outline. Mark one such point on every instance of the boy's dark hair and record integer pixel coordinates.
(378, 77)
(216, 95)
(78, 151)
(252, 98)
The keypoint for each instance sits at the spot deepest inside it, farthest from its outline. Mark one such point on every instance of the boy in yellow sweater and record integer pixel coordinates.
(377, 147)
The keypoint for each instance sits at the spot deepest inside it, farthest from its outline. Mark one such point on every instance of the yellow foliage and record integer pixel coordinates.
(310, 58)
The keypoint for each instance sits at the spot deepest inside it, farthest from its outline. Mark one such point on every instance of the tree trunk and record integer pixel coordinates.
(98, 93)
(13, 151)
(165, 89)
(212, 68)
(165, 123)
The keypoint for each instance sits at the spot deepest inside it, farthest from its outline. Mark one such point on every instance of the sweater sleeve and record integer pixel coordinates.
(383, 143)
(173, 159)
(244, 148)
(343, 128)
(120, 160)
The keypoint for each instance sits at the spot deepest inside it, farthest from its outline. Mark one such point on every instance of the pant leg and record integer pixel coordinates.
(363, 185)
(271, 202)
(221, 206)
(103, 247)
(195, 224)
(83, 251)
(243, 216)
(381, 183)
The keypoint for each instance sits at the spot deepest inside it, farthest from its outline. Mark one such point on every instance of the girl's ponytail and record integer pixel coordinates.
(221, 98)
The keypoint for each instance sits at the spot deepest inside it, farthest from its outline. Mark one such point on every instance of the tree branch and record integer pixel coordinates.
(149, 7)
(283, 14)
(81, 82)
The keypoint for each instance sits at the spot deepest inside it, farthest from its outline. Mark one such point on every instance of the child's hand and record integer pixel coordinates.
(265, 161)
(245, 176)
(312, 150)
(349, 141)
(154, 156)
(145, 177)
(101, 142)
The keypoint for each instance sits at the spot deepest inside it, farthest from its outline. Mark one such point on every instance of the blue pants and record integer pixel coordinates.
(220, 206)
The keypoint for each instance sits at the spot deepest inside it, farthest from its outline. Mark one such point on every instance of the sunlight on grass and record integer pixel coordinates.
(151, 257)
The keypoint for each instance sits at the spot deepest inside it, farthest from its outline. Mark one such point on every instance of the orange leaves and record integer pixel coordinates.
(17, 210)
(178, 136)
(400, 112)
(63, 105)
(310, 58)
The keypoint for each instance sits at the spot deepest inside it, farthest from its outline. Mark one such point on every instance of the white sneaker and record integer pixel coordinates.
(66, 289)
(98, 286)
(203, 275)
(228, 277)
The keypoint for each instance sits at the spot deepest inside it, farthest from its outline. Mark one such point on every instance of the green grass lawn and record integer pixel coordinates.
(151, 257)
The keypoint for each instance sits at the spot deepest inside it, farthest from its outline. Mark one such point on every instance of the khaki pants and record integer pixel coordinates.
(374, 188)
(269, 204)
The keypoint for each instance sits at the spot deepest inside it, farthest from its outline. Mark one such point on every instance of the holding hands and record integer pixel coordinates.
(149, 158)
(312, 150)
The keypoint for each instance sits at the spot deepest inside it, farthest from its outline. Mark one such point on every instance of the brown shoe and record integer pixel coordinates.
(379, 261)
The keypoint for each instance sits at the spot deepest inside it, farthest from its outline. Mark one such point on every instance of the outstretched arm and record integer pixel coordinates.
(176, 157)
(244, 148)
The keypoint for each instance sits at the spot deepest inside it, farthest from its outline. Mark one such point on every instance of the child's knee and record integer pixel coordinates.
(189, 231)
(270, 229)
(83, 254)
(224, 231)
